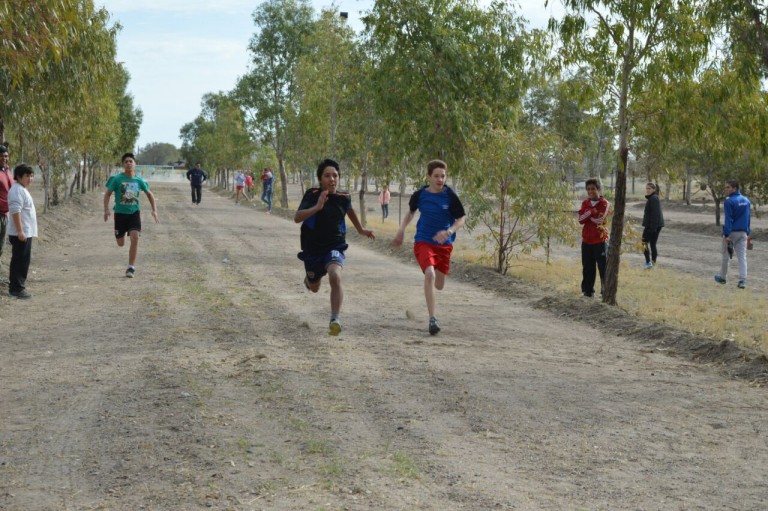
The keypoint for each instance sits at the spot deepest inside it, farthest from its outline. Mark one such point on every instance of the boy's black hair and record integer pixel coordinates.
(127, 155)
(733, 184)
(326, 163)
(593, 181)
(3, 149)
(22, 170)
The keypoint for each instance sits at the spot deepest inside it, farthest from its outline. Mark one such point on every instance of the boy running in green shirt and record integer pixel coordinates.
(126, 186)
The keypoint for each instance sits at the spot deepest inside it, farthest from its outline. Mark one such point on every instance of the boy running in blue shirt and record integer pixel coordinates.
(323, 235)
(442, 214)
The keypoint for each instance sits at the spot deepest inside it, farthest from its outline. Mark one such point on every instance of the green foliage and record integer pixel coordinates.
(269, 93)
(218, 137)
(61, 89)
(158, 153)
(444, 68)
(516, 190)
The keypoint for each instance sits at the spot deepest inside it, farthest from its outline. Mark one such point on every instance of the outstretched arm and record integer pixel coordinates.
(398, 240)
(356, 222)
(107, 195)
(151, 199)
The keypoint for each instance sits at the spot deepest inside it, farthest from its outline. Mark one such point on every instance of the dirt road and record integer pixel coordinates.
(209, 382)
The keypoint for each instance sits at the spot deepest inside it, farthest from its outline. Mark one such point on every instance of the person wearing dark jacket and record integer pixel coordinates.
(593, 216)
(653, 221)
(196, 177)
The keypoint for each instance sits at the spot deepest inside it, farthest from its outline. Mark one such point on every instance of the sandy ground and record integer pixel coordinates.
(209, 382)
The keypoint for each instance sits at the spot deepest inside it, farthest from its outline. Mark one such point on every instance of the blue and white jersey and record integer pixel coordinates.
(438, 211)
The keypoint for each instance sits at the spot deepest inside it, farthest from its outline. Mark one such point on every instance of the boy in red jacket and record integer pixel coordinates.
(593, 215)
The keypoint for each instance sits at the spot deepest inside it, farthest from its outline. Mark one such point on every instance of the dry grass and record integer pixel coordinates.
(680, 301)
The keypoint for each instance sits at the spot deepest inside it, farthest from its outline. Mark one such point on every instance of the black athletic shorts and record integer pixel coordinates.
(127, 223)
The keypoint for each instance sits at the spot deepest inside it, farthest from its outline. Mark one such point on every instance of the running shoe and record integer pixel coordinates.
(433, 326)
(334, 327)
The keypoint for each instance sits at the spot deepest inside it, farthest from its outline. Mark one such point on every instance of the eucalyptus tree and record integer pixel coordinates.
(321, 81)
(157, 153)
(219, 136)
(623, 44)
(445, 67)
(269, 93)
(518, 192)
(728, 137)
(69, 86)
(572, 110)
(746, 27)
(33, 37)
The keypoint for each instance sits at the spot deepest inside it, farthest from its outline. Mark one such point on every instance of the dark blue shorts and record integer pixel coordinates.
(316, 266)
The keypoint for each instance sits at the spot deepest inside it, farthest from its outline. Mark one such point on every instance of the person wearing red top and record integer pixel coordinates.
(6, 181)
(593, 216)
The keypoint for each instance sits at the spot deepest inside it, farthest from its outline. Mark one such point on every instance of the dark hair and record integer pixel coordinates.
(733, 184)
(592, 181)
(325, 164)
(653, 185)
(22, 170)
(127, 155)
(435, 164)
(3, 149)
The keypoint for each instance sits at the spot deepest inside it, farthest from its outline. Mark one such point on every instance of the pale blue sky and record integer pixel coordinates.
(179, 50)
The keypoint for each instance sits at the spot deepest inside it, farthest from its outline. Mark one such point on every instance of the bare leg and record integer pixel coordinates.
(337, 291)
(134, 248)
(429, 289)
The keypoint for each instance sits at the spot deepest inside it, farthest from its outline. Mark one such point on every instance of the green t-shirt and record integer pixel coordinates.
(126, 190)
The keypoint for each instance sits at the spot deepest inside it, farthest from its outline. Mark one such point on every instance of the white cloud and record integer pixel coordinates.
(179, 6)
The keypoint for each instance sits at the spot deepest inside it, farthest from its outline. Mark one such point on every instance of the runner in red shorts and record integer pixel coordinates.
(441, 215)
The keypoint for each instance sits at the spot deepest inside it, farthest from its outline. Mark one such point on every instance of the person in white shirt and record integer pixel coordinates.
(22, 229)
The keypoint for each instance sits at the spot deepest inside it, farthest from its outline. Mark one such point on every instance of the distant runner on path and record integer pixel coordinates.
(126, 186)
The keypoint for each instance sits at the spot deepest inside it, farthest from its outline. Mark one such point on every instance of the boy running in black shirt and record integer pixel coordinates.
(323, 235)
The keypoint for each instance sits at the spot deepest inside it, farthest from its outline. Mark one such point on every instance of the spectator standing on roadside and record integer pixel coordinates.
(6, 181)
(267, 186)
(323, 235)
(736, 229)
(248, 184)
(653, 221)
(239, 185)
(127, 186)
(593, 216)
(21, 231)
(384, 197)
(197, 177)
(441, 215)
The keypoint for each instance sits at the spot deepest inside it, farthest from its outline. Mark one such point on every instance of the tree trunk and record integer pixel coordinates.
(283, 183)
(611, 284)
(363, 190)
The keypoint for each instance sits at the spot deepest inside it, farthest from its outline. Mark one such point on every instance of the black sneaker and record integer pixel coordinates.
(433, 326)
(130, 272)
(20, 294)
